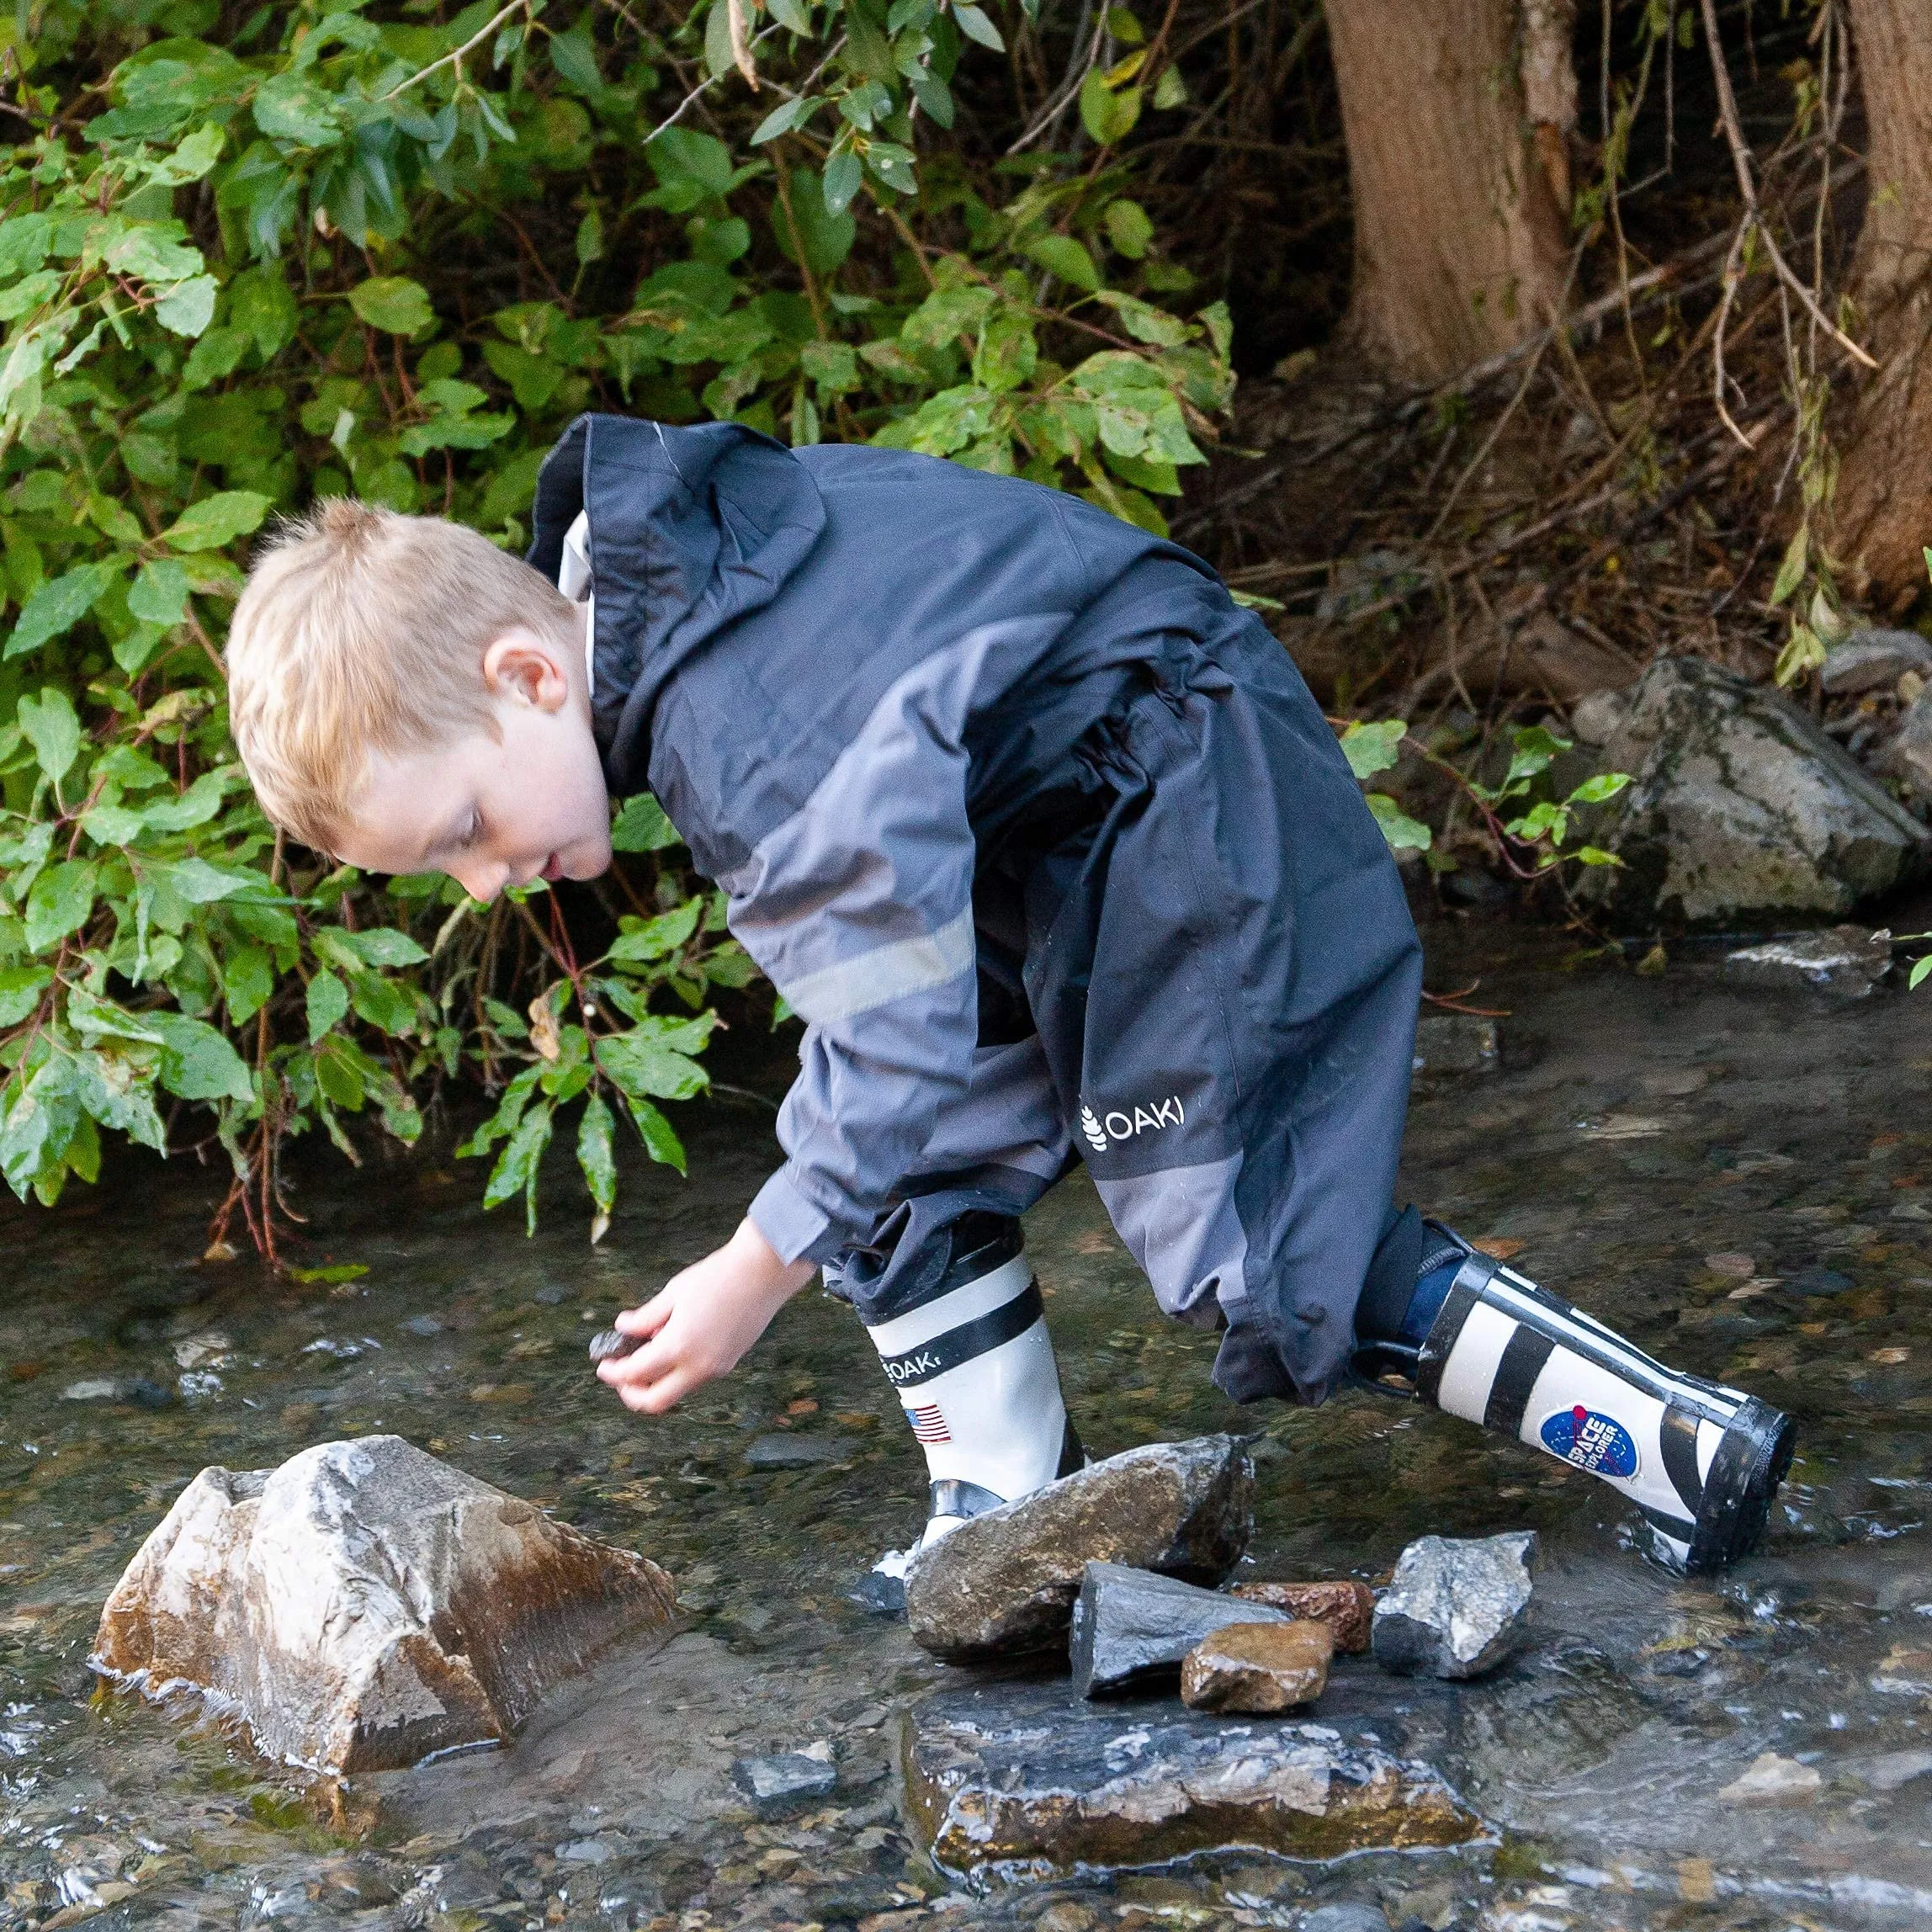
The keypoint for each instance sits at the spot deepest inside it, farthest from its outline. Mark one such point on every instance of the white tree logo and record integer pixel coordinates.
(1091, 1128)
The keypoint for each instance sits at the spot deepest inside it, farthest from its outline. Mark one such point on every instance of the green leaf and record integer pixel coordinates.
(394, 304)
(976, 25)
(1802, 653)
(652, 938)
(197, 1062)
(1595, 791)
(290, 106)
(248, 982)
(189, 307)
(1373, 748)
(51, 727)
(787, 118)
(1791, 570)
(844, 172)
(596, 1154)
(62, 898)
(641, 825)
(1108, 113)
(20, 990)
(379, 946)
(644, 1069)
(1064, 256)
(1398, 828)
(217, 521)
(328, 1001)
(516, 1167)
(1920, 968)
(1129, 227)
(56, 607)
(159, 594)
(659, 1137)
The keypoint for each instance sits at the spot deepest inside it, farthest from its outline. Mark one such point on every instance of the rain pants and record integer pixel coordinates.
(1044, 839)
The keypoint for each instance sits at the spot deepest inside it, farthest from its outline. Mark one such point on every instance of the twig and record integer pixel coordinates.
(1747, 187)
(481, 35)
(698, 93)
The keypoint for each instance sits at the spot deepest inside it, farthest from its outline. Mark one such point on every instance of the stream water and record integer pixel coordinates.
(1742, 1181)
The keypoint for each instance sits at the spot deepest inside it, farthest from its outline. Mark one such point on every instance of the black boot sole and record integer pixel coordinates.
(1754, 1458)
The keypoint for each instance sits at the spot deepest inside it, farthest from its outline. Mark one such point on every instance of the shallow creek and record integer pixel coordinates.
(1638, 1126)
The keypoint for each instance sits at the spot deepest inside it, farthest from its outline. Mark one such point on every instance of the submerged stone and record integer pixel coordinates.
(1844, 962)
(1005, 1583)
(786, 1782)
(1006, 1781)
(1873, 660)
(1739, 806)
(1258, 1667)
(1457, 1607)
(366, 1606)
(1129, 1624)
(1342, 1603)
(1456, 1043)
(1773, 1781)
(797, 1452)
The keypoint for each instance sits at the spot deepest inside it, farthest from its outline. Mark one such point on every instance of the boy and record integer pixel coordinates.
(1046, 842)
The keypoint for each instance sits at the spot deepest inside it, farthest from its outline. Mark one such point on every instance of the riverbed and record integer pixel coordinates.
(1742, 1181)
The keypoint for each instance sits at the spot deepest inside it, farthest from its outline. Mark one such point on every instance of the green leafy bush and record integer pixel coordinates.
(252, 255)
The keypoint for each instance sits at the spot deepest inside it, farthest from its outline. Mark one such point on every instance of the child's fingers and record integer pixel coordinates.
(661, 1394)
(648, 1318)
(657, 1357)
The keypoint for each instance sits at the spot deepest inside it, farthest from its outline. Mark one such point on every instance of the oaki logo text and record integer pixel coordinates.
(1103, 1130)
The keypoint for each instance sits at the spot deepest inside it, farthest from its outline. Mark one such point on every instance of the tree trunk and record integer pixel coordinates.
(1884, 499)
(1459, 194)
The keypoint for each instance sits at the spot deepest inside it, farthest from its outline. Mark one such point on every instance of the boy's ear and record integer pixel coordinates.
(528, 670)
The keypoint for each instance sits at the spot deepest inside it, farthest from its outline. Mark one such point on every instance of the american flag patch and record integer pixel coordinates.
(928, 1424)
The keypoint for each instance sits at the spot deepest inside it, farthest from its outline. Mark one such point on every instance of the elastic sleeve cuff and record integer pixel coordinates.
(797, 1230)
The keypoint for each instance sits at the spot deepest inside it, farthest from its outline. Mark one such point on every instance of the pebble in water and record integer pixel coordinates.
(607, 1342)
(1457, 1607)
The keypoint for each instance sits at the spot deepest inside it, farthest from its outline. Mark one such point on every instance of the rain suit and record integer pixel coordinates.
(1044, 839)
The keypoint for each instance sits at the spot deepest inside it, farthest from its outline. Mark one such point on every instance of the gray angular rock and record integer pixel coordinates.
(1006, 1780)
(1457, 1607)
(364, 1605)
(1908, 754)
(1844, 962)
(1129, 1624)
(1005, 1583)
(797, 1452)
(786, 1782)
(1871, 660)
(1739, 807)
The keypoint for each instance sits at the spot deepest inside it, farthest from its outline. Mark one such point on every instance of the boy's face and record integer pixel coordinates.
(492, 812)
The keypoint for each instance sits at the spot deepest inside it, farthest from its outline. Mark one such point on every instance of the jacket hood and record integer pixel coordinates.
(690, 530)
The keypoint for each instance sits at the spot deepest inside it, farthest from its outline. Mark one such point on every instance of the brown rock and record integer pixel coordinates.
(1005, 1583)
(1344, 1604)
(1264, 1667)
(364, 1605)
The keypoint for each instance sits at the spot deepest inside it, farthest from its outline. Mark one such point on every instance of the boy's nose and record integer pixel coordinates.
(483, 881)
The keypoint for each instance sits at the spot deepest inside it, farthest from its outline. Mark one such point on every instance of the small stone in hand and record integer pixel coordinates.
(607, 1342)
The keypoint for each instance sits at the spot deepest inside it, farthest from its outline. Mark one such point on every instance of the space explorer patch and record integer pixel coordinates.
(1591, 1440)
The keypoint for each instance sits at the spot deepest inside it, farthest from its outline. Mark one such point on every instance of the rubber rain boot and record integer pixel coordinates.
(1701, 1462)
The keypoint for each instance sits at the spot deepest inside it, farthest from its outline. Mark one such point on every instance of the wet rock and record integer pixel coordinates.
(1892, 1768)
(1260, 1667)
(1773, 1780)
(787, 1781)
(1594, 720)
(1005, 1582)
(1874, 660)
(1347, 1917)
(1456, 1043)
(1457, 1607)
(1739, 806)
(1131, 1623)
(607, 1342)
(797, 1452)
(1908, 754)
(1006, 1780)
(1343, 1604)
(365, 1605)
(134, 1388)
(1844, 962)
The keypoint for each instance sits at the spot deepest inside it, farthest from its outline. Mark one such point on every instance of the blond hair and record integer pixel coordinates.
(361, 630)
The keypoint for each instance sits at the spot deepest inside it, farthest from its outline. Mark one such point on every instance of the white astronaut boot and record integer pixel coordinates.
(974, 1366)
(1702, 1463)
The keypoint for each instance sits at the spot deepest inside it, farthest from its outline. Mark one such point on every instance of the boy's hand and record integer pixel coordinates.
(699, 1325)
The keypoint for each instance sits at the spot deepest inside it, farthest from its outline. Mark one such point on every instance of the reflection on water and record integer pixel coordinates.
(1743, 1183)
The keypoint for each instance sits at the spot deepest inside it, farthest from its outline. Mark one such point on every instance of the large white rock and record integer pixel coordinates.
(1740, 807)
(366, 1606)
